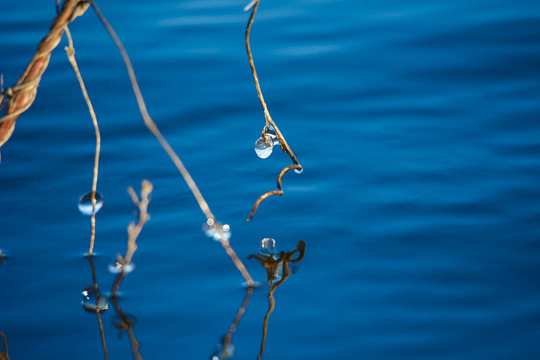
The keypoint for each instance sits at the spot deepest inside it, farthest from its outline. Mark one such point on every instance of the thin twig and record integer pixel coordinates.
(21, 96)
(70, 50)
(282, 142)
(151, 125)
(135, 229)
(272, 192)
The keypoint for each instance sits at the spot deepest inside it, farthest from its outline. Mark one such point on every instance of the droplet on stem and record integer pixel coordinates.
(264, 148)
(92, 301)
(85, 203)
(268, 248)
(117, 268)
(216, 230)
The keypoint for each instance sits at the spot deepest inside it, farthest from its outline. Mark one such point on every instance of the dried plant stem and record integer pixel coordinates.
(237, 262)
(135, 229)
(21, 96)
(70, 50)
(273, 192)
(151, 125)
(282, 142)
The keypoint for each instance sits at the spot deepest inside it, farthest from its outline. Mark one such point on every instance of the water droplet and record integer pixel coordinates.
(92, 301)
(216, 230)
(299, 171)
(222, 354)
(264, 148)
(271, 131)
(85, 203)
(268, 248)
(117, 268)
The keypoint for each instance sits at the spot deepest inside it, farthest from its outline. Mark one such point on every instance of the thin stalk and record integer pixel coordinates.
(70, 50)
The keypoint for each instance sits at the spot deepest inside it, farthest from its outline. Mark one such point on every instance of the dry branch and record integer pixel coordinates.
(269, 122)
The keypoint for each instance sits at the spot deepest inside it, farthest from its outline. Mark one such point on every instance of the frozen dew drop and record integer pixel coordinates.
(117, 268)
(268, 248)
(264, 148)
(85, 203)
(216, 230)
(92, 302)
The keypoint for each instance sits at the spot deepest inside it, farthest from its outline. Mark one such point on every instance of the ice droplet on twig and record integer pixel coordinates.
(92, 301)
(85, 203)
(216, 230)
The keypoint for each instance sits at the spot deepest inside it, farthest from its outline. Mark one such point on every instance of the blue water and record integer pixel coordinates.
(417, 127)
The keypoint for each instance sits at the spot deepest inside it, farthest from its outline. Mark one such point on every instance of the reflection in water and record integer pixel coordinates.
(95, 303)
(225, 349)
(277, 271)
(4, 354)
(2, 258)
(125, 322)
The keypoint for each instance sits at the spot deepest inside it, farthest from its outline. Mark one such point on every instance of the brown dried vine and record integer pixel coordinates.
(20, 96)
(269, 122)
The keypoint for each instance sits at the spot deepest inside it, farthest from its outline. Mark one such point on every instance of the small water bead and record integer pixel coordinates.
(117, 268)
(268, 248)
(225, 353)
(216, 230)
(85, 203)
(92, 302)
(299, 171)
(263, 148)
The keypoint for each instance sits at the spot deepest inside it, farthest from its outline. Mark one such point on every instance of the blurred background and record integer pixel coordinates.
(417, 125)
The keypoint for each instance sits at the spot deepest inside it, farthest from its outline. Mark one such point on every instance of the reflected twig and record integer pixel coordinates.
(98, 309)
(269, 122)
(274, 265)
(70, 51)
(152, 127)
(225, 350)
(20, 96)
(4, 355)
(126, 322)
(134, 229)
(2, 259)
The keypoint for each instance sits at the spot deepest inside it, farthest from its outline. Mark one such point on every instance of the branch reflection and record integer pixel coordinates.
(225, 349)
(4, 354)
(93, 302)
(125, 322)
(277, 271)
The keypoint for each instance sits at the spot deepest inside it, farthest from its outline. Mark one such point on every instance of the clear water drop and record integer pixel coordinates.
(85, 203)
(216, 230)
(270, 130)
(299, 171)
(117, 268)
(264, 148)
(268, 248)
(222, 354)
(92, 302)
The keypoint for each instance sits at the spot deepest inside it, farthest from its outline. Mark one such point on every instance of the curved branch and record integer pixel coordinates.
(273, 192)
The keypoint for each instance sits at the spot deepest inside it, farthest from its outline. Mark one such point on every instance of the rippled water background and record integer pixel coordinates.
(418, 127)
